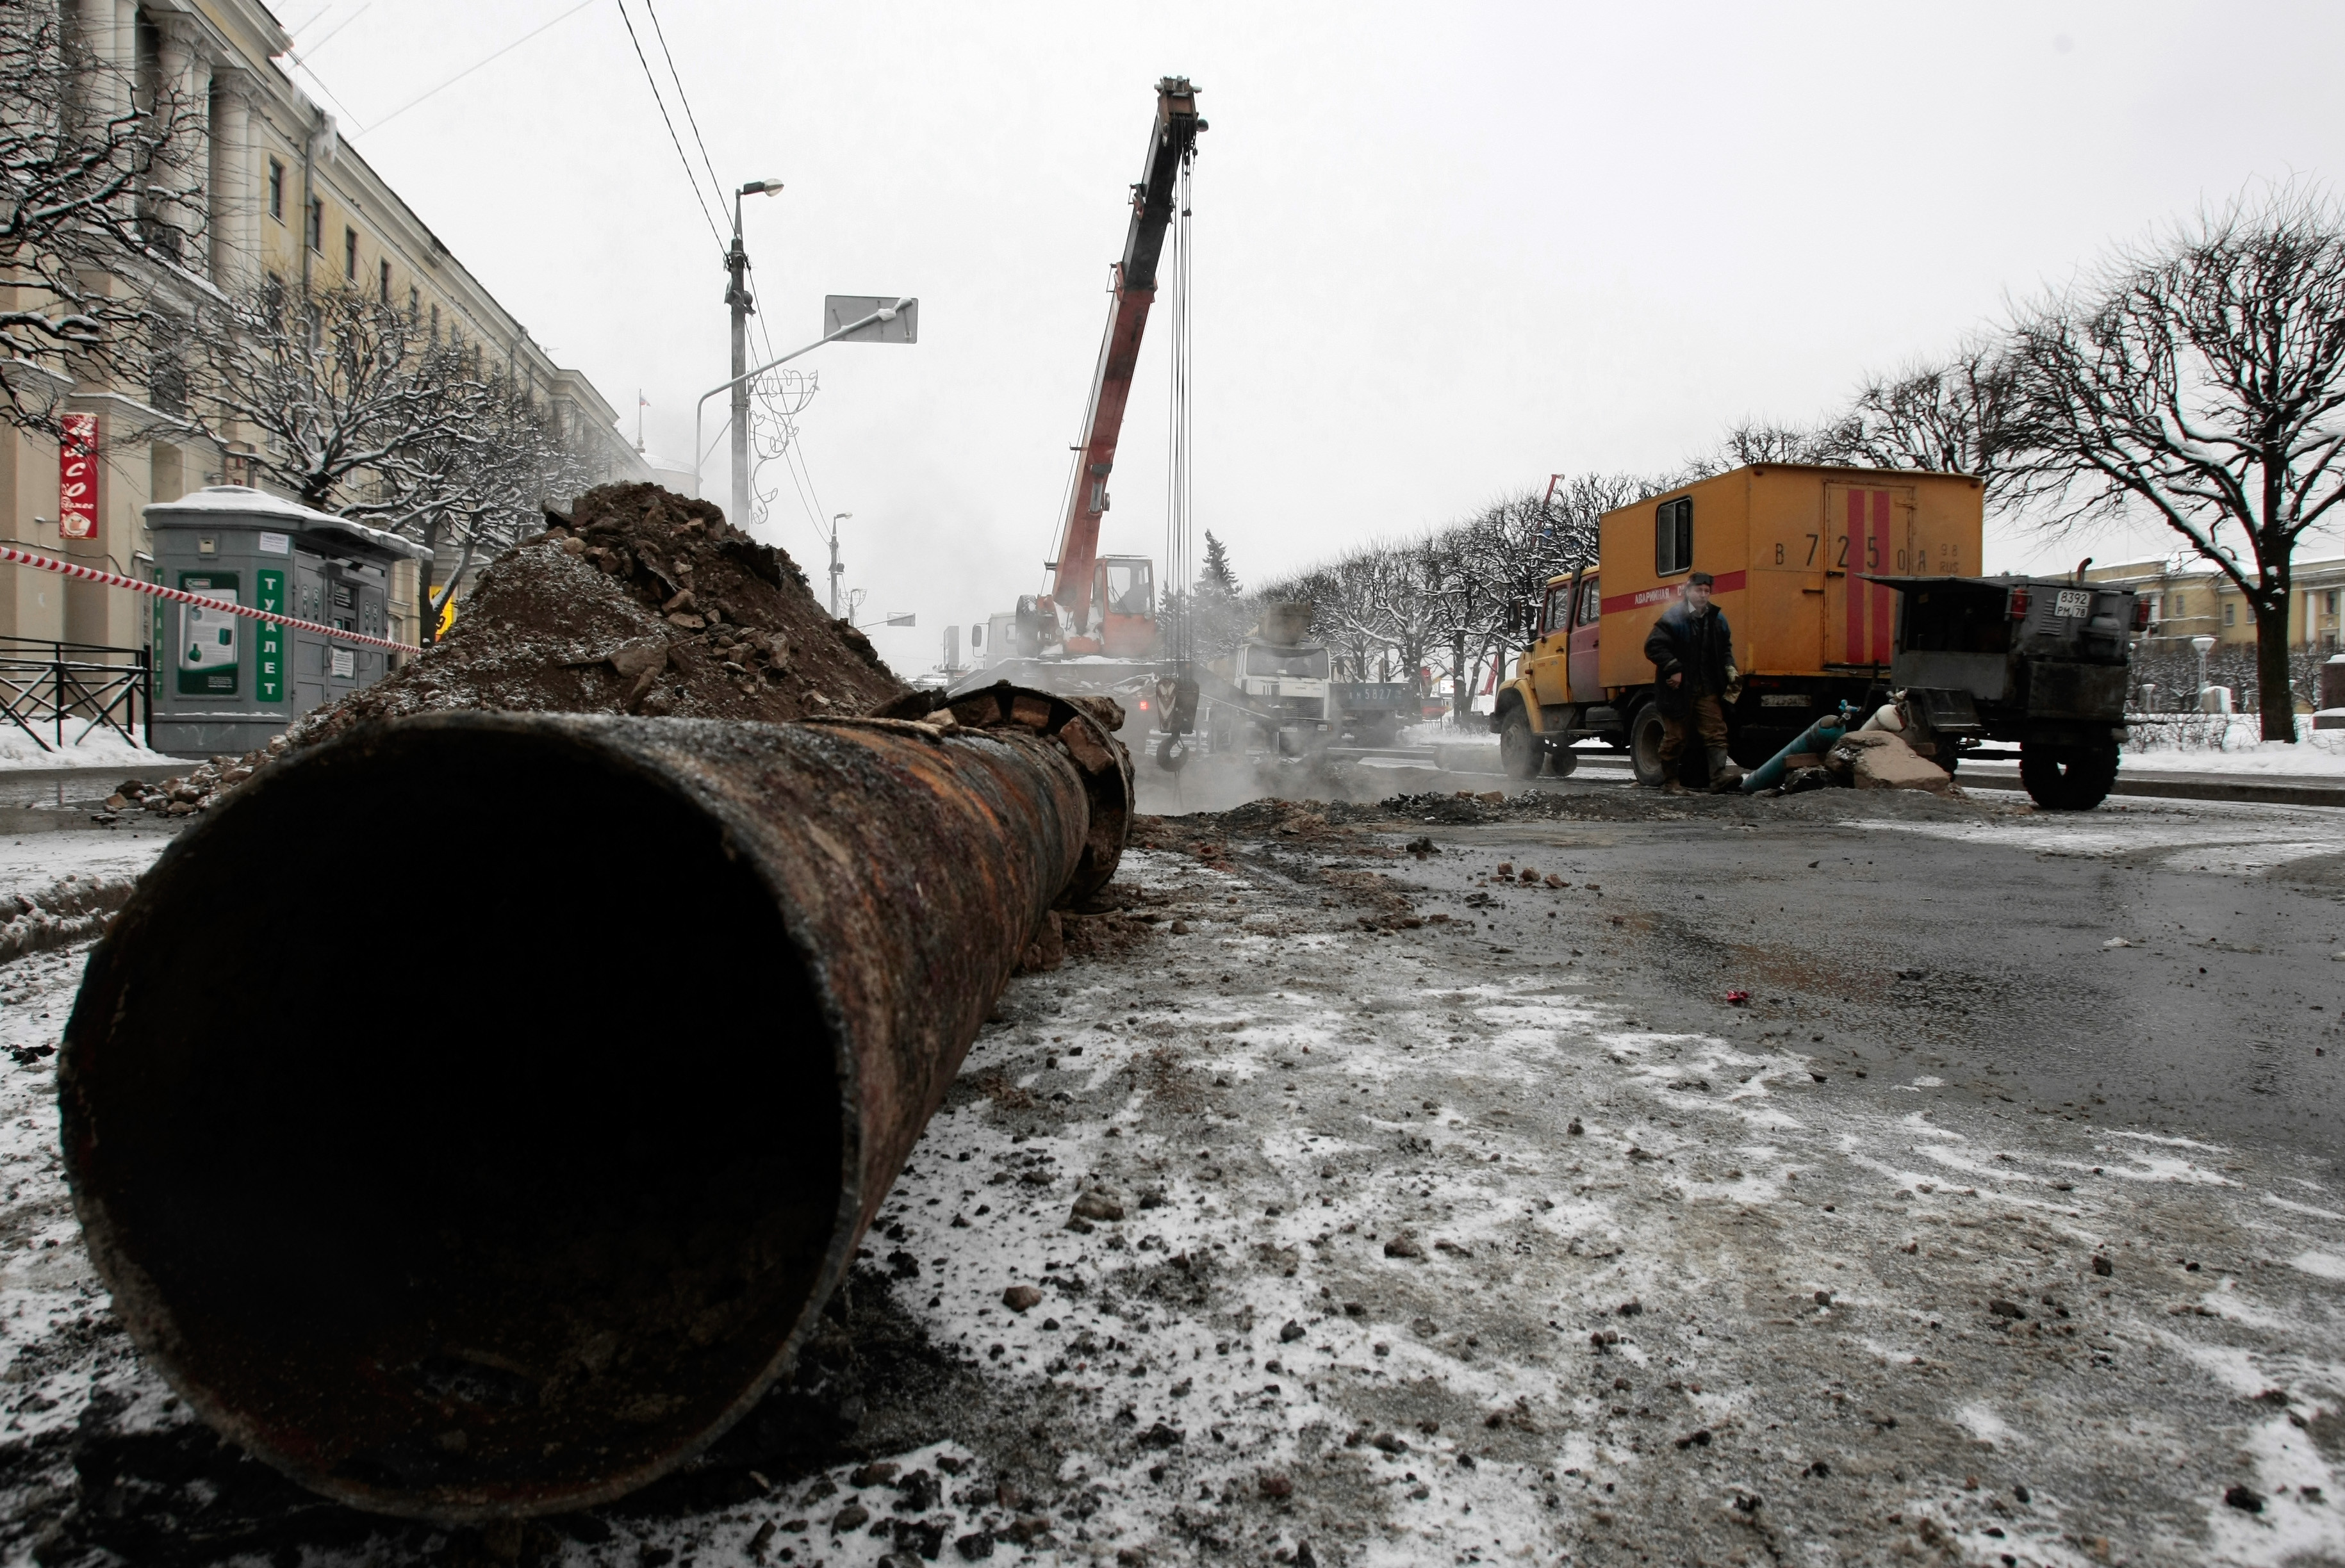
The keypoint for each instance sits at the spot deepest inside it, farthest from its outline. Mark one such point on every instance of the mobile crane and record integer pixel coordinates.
(1102, 610)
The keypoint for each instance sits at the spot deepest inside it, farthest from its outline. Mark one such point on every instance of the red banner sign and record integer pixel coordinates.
(77, 478)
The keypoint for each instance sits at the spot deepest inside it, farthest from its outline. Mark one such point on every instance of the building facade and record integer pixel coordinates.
(2191, 600)
(270, 191)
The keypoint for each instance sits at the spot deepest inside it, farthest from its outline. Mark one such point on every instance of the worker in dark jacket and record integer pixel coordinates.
(1694, 677)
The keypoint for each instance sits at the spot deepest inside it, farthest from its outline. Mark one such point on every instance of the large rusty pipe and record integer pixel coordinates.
(471, 1116)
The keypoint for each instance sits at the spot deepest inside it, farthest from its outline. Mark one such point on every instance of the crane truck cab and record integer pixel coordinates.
(1793, 549)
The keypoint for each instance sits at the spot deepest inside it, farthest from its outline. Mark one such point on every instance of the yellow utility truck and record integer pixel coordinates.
(1793, 549)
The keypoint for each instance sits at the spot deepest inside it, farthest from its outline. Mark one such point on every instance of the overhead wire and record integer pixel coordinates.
(689, 118)
(477, 65)
(793, 452)
(653, 82)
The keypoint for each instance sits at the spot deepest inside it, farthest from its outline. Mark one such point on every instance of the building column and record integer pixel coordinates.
(183, 87)
(95, 22)
(232, 206)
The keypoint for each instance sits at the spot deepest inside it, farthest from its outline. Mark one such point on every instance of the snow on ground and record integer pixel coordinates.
(2207, 837)
(2240, 750)
(1403, 1250)
(31, 861)
(102, 748)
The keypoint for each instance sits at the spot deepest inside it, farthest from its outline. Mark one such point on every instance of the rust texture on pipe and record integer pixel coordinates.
(511, 1192)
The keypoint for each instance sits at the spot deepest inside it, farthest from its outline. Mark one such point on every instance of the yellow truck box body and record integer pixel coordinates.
(1789, 545)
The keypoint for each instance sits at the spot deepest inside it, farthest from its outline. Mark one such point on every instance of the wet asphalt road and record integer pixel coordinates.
(1974, 954)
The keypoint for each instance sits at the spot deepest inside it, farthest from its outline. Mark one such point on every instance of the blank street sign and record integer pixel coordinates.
(839, 309)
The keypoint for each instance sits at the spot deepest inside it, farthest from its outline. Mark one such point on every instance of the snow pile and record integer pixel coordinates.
(101, 748)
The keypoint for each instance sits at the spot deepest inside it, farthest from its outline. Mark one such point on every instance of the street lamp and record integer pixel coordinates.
(883, 319)
(737, 297)
(836, 568)
(2203, 646)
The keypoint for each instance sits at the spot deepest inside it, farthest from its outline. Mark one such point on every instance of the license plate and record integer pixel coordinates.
(2073, 602)
(1784, 700)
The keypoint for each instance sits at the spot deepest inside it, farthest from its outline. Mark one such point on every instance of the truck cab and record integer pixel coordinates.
(1556, 693)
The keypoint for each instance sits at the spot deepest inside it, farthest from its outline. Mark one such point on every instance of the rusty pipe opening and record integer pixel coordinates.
(471, 1116)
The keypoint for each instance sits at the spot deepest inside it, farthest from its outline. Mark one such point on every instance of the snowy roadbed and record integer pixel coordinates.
(1282, 1239)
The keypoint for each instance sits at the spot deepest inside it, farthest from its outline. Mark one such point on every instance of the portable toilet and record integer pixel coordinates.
(226, 684)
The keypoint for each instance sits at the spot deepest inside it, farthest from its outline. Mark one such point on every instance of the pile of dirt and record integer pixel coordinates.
(640, 602)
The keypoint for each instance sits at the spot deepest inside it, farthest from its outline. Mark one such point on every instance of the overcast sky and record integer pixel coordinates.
(1441, 252)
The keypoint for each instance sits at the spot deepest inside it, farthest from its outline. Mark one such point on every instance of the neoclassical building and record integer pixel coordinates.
(270, 189)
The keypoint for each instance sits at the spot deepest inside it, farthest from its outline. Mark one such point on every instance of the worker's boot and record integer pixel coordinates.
(1724, 775)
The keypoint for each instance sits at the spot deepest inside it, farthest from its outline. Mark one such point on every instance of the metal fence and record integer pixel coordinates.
(57, 687)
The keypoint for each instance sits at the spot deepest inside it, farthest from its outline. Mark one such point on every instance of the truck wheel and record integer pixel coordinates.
(2067, 778)
(1521, 753)
(1563, 761)
(1645, 747)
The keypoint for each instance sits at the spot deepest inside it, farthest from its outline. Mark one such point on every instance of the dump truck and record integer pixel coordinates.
(2043, 662)
(1794, 551)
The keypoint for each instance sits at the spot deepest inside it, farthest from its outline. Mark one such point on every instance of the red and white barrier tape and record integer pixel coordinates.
(181, 596)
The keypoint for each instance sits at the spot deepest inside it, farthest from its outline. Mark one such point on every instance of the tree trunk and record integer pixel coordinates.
(2275, 698)
(1461, 696)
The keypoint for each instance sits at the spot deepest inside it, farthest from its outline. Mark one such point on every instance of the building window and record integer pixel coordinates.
(2329, 603)
(2230, 614)
(2179, 603)
(414, 305)
(350, 256)
(435, 322)
(276, 190)
(382, 273)
(316, 222)
(1673, 536)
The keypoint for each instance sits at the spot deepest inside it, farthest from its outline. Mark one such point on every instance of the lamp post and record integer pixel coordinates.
(875, 320)
(2204, 646)
(737, 297)
(836, 568)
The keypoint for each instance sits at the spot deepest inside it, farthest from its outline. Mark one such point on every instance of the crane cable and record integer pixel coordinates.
(1177, 562)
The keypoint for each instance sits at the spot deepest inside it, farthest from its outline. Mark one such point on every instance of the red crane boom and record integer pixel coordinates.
(1171, 142)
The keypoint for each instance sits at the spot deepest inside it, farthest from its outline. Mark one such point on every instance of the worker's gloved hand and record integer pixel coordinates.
(1733, 684)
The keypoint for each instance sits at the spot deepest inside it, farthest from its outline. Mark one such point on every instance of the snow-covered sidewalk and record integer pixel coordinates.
(2314, 753)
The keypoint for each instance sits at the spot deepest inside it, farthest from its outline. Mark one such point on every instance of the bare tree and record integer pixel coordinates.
(353, 410)
(2205, 383)
(477, 483)
(1759, 442)
(95, 210)
(1958, 416)
(1404, 606)
(333, 385)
